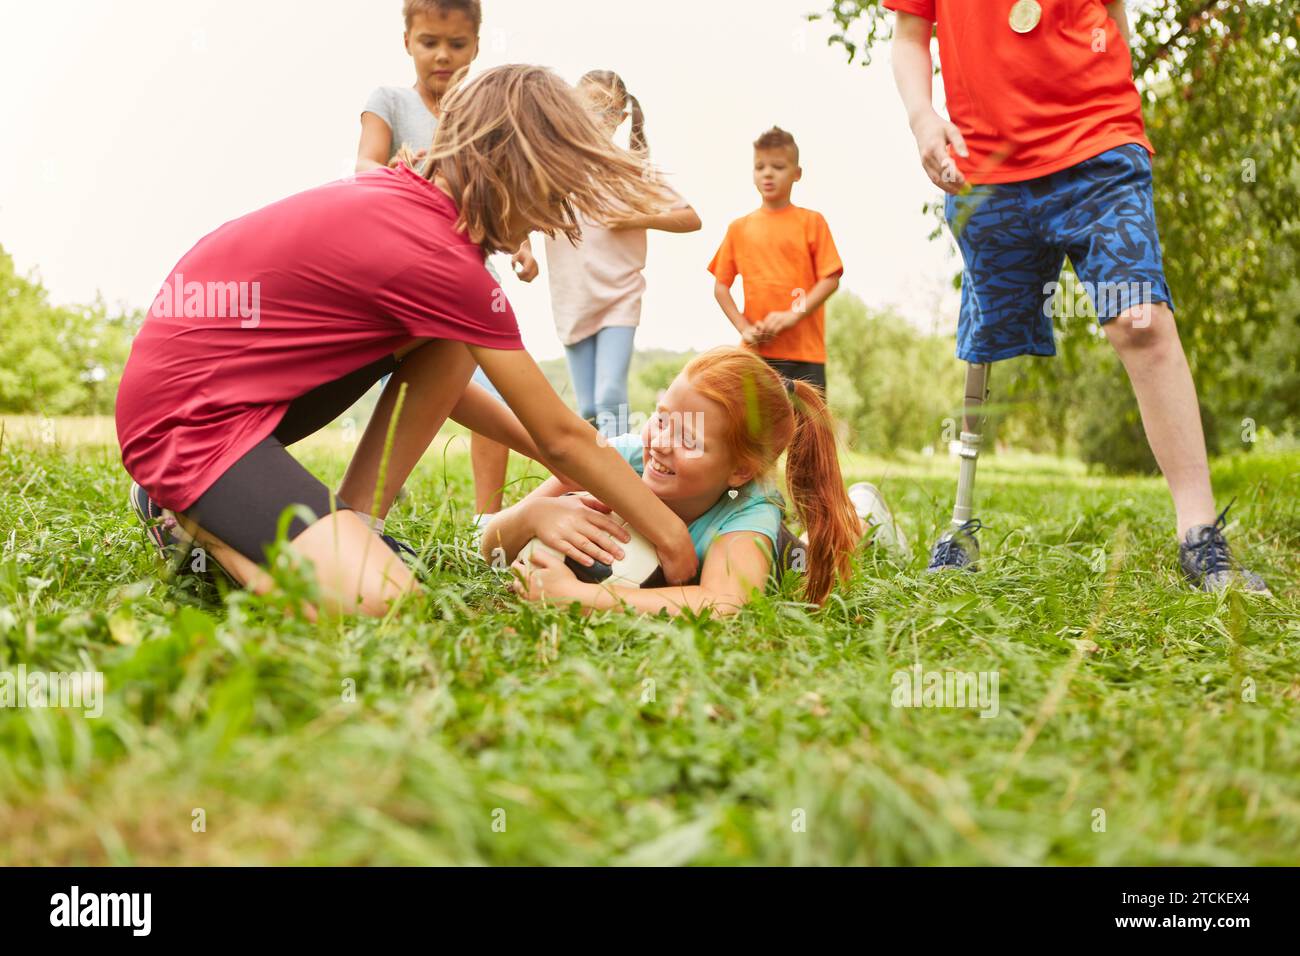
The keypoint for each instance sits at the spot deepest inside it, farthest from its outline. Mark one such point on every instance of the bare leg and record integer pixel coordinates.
(1146, 338)
(435, 374)
(354, 569)
(489, 460)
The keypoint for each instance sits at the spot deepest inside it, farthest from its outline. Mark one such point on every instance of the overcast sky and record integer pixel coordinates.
(133, 127)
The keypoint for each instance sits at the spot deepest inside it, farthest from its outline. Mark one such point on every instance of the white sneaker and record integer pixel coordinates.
(480, 522)
(870, 505)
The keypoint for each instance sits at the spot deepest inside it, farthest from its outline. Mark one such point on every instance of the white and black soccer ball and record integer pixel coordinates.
(638, 568)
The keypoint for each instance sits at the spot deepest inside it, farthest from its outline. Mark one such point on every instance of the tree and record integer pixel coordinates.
(57, 360)
(875, 362)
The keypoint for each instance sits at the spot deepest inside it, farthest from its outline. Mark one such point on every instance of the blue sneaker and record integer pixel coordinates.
(957, 548)
(1207, 561)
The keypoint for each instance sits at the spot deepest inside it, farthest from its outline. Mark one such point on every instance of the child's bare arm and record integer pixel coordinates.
(1120, 16)
(774, 323)
(914, 74)
(685, 219)
(722, 294)
(480, 412)
(822, 291)
(376, 143)
(577, 526)
(736, 566)
(510, 528)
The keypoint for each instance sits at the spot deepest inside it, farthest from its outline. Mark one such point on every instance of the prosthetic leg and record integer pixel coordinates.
(957, 547)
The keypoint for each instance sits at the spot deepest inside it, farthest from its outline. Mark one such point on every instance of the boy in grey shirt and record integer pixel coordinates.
(442, 39)
(409, 122)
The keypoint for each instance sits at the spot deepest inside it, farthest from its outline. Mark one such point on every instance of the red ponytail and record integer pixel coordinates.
(812, 474)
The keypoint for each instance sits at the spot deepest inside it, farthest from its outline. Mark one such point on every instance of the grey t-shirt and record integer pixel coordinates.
(406, 115)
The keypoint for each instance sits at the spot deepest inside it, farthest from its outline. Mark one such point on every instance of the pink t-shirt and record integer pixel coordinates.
(288, 298)
(599, 282)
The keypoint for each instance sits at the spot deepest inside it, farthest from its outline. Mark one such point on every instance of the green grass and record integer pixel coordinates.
(617, 739)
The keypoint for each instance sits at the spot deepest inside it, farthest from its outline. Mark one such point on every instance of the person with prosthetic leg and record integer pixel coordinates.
(1046, 158)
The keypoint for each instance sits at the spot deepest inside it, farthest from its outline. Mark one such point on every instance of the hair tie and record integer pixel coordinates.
(789, 387)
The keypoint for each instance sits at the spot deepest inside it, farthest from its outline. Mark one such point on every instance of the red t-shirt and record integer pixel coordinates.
(1029, 104)
(286, 299)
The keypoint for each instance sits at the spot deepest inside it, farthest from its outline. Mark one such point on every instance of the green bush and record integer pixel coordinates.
(893, 388)
(57, 360)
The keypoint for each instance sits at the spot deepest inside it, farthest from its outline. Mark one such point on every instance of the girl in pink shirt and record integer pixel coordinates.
(276, 322)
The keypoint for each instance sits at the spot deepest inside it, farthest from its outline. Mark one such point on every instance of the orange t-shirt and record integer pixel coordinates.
(1029, 104)
(781, 254)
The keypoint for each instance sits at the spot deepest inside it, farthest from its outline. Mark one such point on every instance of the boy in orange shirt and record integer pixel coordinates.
(789, 264)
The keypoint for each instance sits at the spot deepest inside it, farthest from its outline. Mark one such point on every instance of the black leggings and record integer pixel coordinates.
(814, 373)
(242, 508)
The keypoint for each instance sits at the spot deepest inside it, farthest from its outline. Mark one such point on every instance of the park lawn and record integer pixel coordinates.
(1138, 722)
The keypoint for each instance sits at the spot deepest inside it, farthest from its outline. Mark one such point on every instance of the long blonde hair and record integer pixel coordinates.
(517, 139)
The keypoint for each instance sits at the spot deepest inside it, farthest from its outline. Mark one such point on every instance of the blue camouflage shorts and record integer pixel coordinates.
(1014, 238)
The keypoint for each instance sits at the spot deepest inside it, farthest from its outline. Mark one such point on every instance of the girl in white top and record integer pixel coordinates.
(596, 286)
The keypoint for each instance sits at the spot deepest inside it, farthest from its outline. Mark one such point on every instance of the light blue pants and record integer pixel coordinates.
(598, 365)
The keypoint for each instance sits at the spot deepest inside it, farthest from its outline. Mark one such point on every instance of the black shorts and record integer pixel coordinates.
(814, 373)
(243, 507)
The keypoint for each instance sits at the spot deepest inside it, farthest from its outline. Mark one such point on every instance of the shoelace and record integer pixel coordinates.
(948, 549)
(1210, 552)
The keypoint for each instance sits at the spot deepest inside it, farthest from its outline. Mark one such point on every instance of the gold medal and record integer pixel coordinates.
(1025, 15)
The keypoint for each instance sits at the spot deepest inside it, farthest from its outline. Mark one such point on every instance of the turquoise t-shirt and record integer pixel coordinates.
(756, 508)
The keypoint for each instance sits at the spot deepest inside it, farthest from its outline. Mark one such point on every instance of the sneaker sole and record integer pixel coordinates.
(879, 516)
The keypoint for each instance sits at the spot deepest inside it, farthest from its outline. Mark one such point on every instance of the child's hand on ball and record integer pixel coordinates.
(544, 577)
(579, 527)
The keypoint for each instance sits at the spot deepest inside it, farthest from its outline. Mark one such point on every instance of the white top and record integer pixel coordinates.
(599, 282)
